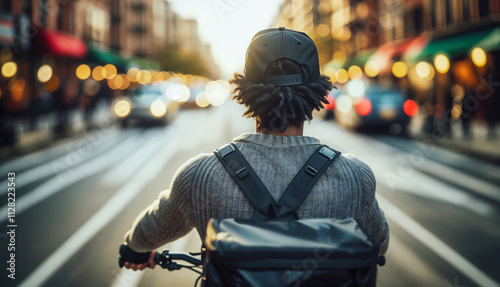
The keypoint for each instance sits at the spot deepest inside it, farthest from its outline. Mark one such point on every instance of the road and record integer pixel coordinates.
(77, 198)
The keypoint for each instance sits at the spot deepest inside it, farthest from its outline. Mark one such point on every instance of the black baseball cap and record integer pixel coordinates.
(273, 44)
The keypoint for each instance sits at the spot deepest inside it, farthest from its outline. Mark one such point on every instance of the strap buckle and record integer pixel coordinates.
(225, 150)
(327, 152)
(310, 170)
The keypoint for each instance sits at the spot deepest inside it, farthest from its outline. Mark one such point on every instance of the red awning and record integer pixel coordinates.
(60, 44)
(384, 55)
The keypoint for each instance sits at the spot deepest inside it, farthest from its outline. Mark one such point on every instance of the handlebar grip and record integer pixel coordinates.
(129, 255)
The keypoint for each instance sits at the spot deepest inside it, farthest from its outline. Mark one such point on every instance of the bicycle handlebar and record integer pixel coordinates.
(164, 259)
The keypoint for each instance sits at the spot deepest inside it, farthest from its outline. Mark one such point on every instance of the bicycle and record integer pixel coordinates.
(165, 260)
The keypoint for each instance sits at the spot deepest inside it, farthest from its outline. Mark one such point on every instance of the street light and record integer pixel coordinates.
(478, 57)
(44, 73)
(442, 63)
(399, 69)
(9, 69)
(372, 69)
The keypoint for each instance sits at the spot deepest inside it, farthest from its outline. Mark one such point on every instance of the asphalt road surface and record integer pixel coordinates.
(76, 199)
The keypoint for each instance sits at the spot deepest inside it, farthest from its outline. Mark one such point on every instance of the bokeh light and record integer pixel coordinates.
(410, 108)
(356, 88)
(110, 71)
(399, 69)
(144, 77)
(216, 93)
(442, 63)
(355, 72)
(456, 112)
(9, 69)
(342, 76)
(323, 30)
(132, 74)
(53, 84)
(425, 70)
(178, 92)
(44, 73)
(202, 100)
(372, 69)
(330, 72)
(158, 108)
(83, 72)
(478, 57)
(364, 107)
(98, 73)
(122, 108)
(17, 89)
(344, 103)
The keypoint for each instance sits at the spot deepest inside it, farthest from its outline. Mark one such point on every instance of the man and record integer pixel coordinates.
(281, 87)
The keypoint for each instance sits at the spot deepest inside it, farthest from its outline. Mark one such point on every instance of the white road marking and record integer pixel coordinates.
(45, 155)
(131, 278)
(47, 169)
(427, 186)
(125, 169)
(390, 169)
(459, 178)
(435, 244)
(58, 183)
(101, 218)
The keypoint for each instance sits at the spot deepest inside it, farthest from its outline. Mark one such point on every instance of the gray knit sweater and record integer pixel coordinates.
(202, 189)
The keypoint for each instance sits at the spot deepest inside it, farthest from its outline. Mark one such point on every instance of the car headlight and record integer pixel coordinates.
(122, 108)
(158, 109)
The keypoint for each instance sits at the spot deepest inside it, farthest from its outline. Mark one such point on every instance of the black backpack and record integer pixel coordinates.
(276, 248)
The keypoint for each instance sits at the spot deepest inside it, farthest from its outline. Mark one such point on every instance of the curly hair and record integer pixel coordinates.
(276, 108)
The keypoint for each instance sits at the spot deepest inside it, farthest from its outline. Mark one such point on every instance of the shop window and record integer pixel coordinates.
(433, 9)
(450, 15)
(466, 10)
(6, 5)
(484, 8)
(44, 10)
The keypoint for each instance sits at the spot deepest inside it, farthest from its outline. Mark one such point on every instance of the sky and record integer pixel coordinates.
(228, 26)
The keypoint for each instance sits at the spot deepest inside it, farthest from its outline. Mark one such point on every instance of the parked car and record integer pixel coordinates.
(367, 106)
(146, 104)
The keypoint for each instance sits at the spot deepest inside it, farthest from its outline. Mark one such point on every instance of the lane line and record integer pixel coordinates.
(47, 169)
(486, 189)
(131, 278)
(57, 183)
(101, 218)
(28, 160)
(435, 244)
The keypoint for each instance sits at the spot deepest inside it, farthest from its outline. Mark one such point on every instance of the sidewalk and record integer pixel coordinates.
(43, 135)
(478, 145)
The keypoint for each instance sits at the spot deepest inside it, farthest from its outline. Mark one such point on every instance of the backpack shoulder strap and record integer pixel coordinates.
(305, 179)
(248, 181)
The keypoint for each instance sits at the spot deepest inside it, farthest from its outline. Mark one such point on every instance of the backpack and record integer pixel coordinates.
(277, 248)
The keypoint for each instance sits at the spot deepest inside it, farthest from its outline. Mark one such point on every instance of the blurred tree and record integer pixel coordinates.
(172, 59)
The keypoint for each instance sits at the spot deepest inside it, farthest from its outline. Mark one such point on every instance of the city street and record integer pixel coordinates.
(76, 199)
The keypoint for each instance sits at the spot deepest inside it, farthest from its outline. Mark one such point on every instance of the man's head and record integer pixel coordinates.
(282, 84)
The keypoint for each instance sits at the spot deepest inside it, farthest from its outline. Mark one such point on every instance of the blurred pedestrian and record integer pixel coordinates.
(281, 87)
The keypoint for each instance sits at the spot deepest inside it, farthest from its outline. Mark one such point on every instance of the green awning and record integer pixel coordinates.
(362, 57)
(143, 63)
(459, 44)
(491, 42)
(102, 56)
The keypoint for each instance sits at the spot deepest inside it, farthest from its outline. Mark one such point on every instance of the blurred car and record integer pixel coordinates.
(146, 104)
(362, 105)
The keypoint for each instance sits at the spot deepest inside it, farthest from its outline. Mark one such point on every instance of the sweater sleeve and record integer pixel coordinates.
(372, 215)
(168, 217)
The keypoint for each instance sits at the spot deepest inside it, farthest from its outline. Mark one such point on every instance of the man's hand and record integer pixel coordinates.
(151, 263)
(136, 260)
